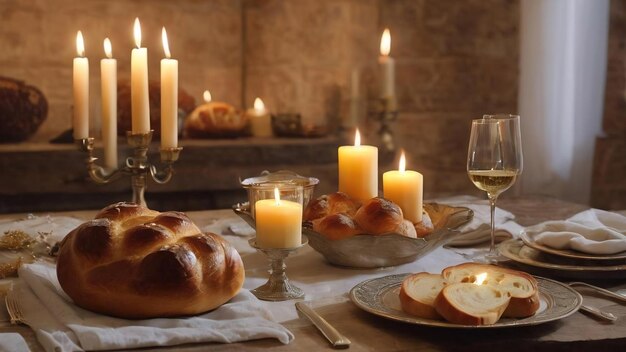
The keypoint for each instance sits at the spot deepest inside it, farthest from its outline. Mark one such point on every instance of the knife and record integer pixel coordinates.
(332, 335)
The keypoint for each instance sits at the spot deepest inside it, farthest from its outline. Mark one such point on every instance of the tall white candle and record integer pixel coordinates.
(358, 170)
(81, 90)
(405, 188)
(387, 66)
(278, 222)
(108, 81)
(169, 97)
(260, 119)
(139, 85)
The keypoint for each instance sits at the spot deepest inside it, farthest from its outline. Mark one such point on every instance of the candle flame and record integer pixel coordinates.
(108, 50)
(480, 278)
(80, 44)
(137, 32)
(166, 46)
(258, 105)
(207, 96)
(277, 195)
(402, 163)
(385, 43)
(357, 138)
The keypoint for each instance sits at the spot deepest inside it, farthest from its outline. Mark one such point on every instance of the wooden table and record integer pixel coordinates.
(371, 333)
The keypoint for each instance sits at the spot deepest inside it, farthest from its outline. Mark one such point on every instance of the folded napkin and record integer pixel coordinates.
(13, 342)
(592, 231)
(61, 325)
(479, 229)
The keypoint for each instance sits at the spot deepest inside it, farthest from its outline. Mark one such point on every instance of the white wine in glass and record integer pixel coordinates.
(494, 160)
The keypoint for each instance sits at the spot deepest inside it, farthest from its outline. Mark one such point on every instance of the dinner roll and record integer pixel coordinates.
(328, 204)
(132, 262)
(336, 226)
(379, 216)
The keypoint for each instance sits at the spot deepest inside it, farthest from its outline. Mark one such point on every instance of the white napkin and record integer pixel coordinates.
(54, 228)
(592, 231)
(479, 229)
(59, 324)
(13, 342)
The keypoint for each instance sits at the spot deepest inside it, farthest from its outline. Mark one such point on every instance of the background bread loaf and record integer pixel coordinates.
(132, 262)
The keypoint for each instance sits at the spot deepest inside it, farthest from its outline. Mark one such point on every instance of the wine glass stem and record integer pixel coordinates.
(492, 203)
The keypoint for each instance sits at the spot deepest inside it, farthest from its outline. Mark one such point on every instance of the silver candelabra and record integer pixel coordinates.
(136, 166)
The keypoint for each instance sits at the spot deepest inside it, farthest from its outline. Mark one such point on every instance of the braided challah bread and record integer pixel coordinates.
(132, 262)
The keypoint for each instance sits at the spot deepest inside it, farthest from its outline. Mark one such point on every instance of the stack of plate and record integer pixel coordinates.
(563, 262)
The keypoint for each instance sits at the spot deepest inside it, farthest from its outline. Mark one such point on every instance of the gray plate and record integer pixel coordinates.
(380, 297)
(529, 240)
(517, 251)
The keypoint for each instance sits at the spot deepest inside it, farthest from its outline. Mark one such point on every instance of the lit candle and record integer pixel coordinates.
(358, 170)
(81, 90)
(260, 119)
(139, 85)
(387, 66)
(405, 188)
(278, 222)
(169, 97)
(108, 81)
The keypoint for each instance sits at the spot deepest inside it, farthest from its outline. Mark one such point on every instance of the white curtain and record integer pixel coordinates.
(562, 78)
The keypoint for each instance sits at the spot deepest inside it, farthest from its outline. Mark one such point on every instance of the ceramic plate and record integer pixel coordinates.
(380, 297)
(529, 240)
(517, 251)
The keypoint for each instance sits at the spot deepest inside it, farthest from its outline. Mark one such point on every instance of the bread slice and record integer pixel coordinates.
(418, 293)
(521, 286)
(471, 304)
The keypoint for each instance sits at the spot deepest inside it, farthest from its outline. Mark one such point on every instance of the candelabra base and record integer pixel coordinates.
(278, 287)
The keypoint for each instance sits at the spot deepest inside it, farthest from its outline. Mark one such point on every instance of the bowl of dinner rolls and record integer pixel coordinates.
(374, 233)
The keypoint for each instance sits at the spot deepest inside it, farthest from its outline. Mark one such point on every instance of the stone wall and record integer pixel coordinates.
(609, 174)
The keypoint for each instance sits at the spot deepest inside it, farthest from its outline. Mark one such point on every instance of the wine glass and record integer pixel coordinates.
(494, 160)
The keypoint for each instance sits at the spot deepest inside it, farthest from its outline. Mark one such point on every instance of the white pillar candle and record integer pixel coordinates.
(139, 85)
(387, 66)
(260, 120)
(358, 170)
(169, 97)
(108, 82)
(405, 188)
(81, 90)
(278, 222)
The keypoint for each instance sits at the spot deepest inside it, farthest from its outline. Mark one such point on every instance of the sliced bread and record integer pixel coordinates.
(521, 286)
(418, 293)
(471, 304)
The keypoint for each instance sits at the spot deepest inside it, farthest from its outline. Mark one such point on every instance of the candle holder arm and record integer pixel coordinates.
(96, 172)
(168, 157)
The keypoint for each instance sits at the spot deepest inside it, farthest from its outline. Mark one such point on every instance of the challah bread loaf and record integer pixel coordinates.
(521, 286)
(132, 262)
(471, 304)
(418, 293)
(329, 204)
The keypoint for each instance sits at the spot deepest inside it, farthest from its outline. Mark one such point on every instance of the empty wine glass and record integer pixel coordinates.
(494, 160)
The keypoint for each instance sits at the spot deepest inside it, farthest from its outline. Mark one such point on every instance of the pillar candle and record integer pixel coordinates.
(278, 222)
(260, 119)
(358, 170)
(108, 81)
(405, 188)
(139, 85)
(387, 66)
(81, 90)
(169, 97)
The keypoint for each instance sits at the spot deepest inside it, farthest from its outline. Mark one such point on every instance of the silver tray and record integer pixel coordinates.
(531, 258)
(380, 297)
(375, 251)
